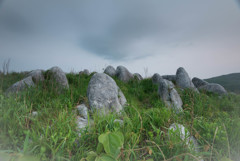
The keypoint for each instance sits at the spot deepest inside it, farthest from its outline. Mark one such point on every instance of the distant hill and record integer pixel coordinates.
(231, 82)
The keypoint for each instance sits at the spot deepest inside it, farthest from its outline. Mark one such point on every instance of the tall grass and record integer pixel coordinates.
(52, 134)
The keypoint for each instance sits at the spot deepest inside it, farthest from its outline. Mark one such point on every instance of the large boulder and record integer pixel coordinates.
(183, 80)
(56, 75)
(214, 88)
(169, 95)
(171, 78)
(37, 75)
(21, 85)
(138, 76)
(123, 74)
(104, 95)
(156, 78)
(181, 132)
(199, 82)
(110, 70)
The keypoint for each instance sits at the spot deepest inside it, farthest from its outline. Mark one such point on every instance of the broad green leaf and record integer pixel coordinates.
(112, 142)
(100, 148)
(105, 157)
(91, 156)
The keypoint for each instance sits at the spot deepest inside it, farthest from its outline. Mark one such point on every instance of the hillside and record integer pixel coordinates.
(231, 82)
(41, 123)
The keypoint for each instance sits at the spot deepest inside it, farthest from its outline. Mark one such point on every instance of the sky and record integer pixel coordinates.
(146, 36)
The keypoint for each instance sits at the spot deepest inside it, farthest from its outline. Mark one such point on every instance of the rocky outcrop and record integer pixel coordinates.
(183, 80)
(171, 78)
(123, 74)
(21, 85)
(110, 70)
(214, 88)
(37, 75)
(180, 131)
(169, 95)
(138, 76)
(198, 82)
(104, 95)
(56, 75)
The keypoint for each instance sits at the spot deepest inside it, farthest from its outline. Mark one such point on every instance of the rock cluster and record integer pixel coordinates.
(54, 74)
(209, 87)
(122, 73)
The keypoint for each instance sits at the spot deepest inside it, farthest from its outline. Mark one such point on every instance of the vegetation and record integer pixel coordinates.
(230, 81)
(143, 135)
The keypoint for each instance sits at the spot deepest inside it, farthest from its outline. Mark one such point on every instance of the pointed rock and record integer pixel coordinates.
(183, 80)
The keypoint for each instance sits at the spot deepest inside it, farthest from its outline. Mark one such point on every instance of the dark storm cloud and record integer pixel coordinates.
(95, 31)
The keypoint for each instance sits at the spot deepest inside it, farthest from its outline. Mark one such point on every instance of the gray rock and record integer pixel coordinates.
(110, 70)
(169, 83)
(123, 74)
(81, 124)
(138, 76)
(198, 82)
(83, 110)
(104, 95)
(169, 95)
(21, 85)
(34, 113)
(37, 75)
(85, 71)
(214, 88)
(156, 78)
(170, 77)
(183, 133)
(183, 80)
(56, 75)
(121, 97)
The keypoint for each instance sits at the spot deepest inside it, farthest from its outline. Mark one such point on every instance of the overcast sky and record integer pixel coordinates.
(203, 36)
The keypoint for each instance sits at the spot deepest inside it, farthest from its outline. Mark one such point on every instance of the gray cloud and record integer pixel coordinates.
(120, 32)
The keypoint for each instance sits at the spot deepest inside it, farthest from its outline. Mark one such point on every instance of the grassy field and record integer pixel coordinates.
(144, 135)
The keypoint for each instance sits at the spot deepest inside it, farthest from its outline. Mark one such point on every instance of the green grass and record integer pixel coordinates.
(52, 135)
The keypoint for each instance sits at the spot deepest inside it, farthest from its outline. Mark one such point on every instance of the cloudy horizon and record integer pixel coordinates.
(160, 36)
